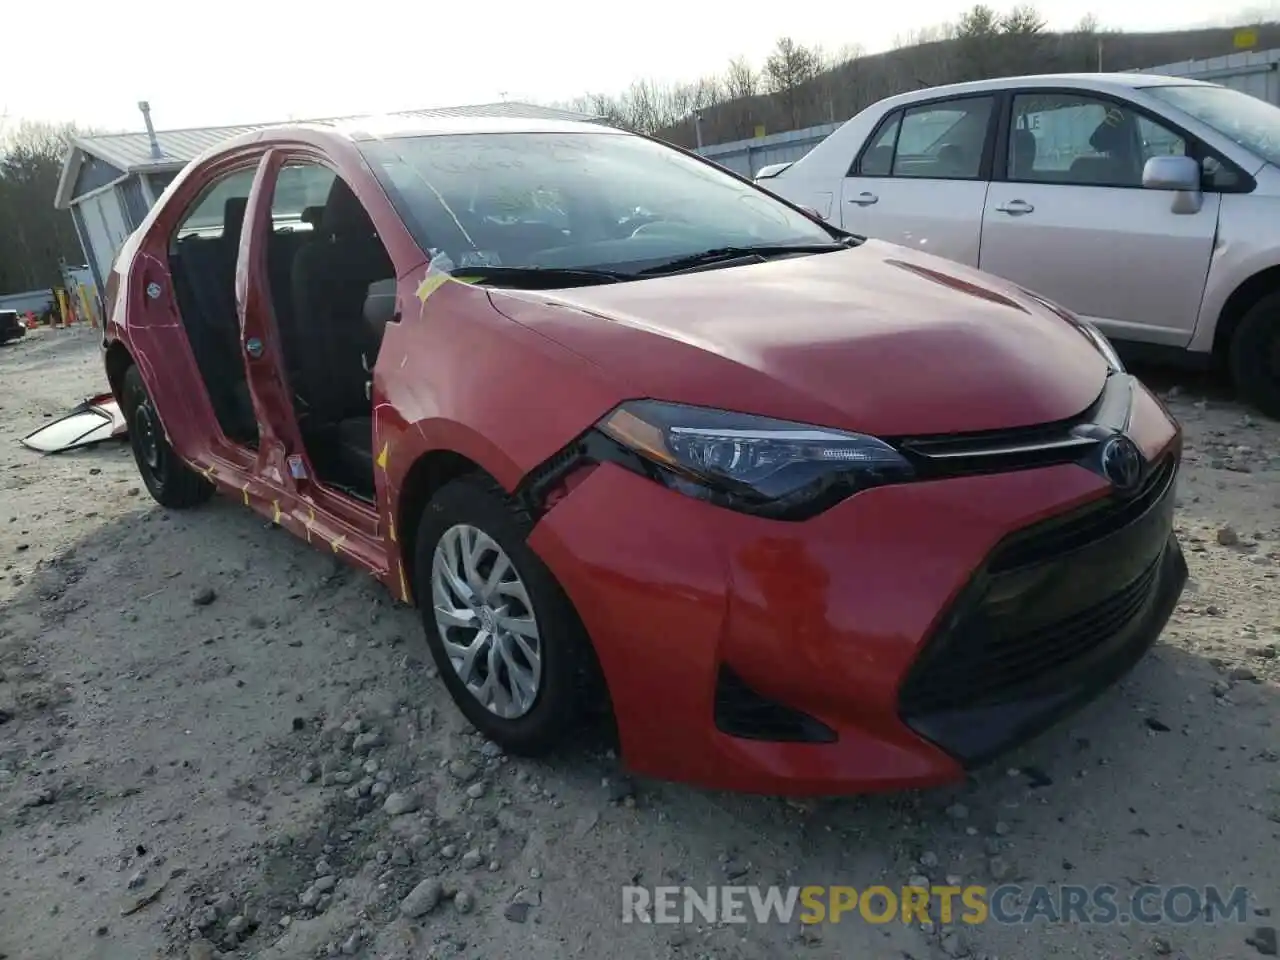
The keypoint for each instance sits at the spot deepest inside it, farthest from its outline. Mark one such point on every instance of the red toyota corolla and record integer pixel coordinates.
(805, 513)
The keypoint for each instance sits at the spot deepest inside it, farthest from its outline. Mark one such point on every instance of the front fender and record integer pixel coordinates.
(1248, 243)
(455, 374)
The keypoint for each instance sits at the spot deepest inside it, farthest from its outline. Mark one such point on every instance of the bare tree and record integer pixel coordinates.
(741, 80)
(33, 235)
(1024, 41)
(787, 70)
(1023, 20)
(978, 42)
(1088, 24)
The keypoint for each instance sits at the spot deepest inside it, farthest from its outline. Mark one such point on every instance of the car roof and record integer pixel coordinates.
(393, 126)
(1101, 82)
(398, 126)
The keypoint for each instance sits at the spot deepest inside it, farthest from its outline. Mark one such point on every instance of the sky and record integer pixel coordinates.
(246, 61)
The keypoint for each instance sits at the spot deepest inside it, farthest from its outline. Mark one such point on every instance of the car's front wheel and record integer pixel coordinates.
(505, 637)
(170, 481)
(1254, 356)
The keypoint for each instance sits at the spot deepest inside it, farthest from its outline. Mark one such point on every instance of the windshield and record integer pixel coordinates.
(1252, 123)
(585, 201)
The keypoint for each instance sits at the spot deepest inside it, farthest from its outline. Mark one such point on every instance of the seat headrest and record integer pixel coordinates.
(233, 212)
(1025, 149)
(1109, 138)
(951, 153)
(313, 216)
(344, 216)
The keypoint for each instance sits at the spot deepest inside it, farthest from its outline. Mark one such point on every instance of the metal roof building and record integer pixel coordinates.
(110, 181)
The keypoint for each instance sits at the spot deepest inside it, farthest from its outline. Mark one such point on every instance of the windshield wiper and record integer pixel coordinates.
(761, 251)
(540, 278)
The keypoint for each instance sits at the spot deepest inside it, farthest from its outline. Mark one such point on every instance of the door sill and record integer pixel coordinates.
(347, 508)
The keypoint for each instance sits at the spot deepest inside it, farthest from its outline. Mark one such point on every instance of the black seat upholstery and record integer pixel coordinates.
(1115, 164)
(329, 340)
(204, 284)
(330, 279)
(355, 448)
(233, 212)
(312, 216)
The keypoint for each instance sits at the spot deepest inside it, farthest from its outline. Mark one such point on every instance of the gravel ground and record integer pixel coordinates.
(214, 740)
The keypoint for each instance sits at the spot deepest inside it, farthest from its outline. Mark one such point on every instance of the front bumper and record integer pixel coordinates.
(854, 640)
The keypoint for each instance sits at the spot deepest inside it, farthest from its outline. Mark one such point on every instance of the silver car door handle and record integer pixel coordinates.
(1016, 208)
(864, 199)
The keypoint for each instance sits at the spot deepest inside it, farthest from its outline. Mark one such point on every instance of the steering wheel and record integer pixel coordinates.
(645, 228)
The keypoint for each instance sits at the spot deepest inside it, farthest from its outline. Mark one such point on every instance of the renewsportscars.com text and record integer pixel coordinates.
(1006, 904)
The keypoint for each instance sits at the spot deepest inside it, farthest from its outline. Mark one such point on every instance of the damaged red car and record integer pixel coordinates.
(804, 513)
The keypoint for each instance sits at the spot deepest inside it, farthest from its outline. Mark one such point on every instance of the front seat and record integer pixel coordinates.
(952, 161)
(1115, 165)
(233, 213)
(330, 280)
(1023, 159)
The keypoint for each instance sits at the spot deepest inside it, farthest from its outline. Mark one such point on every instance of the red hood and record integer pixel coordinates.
(877, 339)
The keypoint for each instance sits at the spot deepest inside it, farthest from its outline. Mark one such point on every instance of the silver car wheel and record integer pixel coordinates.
(486, 621)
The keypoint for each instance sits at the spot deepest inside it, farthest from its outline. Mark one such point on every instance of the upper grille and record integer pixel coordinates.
(1022, 448)
(1091, 523)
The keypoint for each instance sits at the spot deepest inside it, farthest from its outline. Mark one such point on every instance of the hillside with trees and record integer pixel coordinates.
(798, 86)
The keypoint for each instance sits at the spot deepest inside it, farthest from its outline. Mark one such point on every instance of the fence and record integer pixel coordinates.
(37, 301)
(748, 156)
(1257, 74)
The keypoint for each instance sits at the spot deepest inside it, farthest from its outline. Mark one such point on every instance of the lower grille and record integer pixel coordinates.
(1051, 609)
(987, 663)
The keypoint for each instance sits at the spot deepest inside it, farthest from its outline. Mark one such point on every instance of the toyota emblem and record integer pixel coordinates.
(1122, 463)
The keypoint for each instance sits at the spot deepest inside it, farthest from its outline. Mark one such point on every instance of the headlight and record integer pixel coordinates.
(752, 464)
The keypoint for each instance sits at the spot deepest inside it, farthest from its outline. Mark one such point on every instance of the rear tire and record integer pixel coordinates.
(169, 481)
(1254, 356)
(472, 516)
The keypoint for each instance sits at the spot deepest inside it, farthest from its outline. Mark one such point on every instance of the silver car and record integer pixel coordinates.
(1148, 205)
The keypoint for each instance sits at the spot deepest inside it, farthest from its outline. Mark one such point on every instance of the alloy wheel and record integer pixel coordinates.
(486, 621)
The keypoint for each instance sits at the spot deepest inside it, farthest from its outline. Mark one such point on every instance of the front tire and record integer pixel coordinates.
(1254, 356)
(169, 481)
(505, 637)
